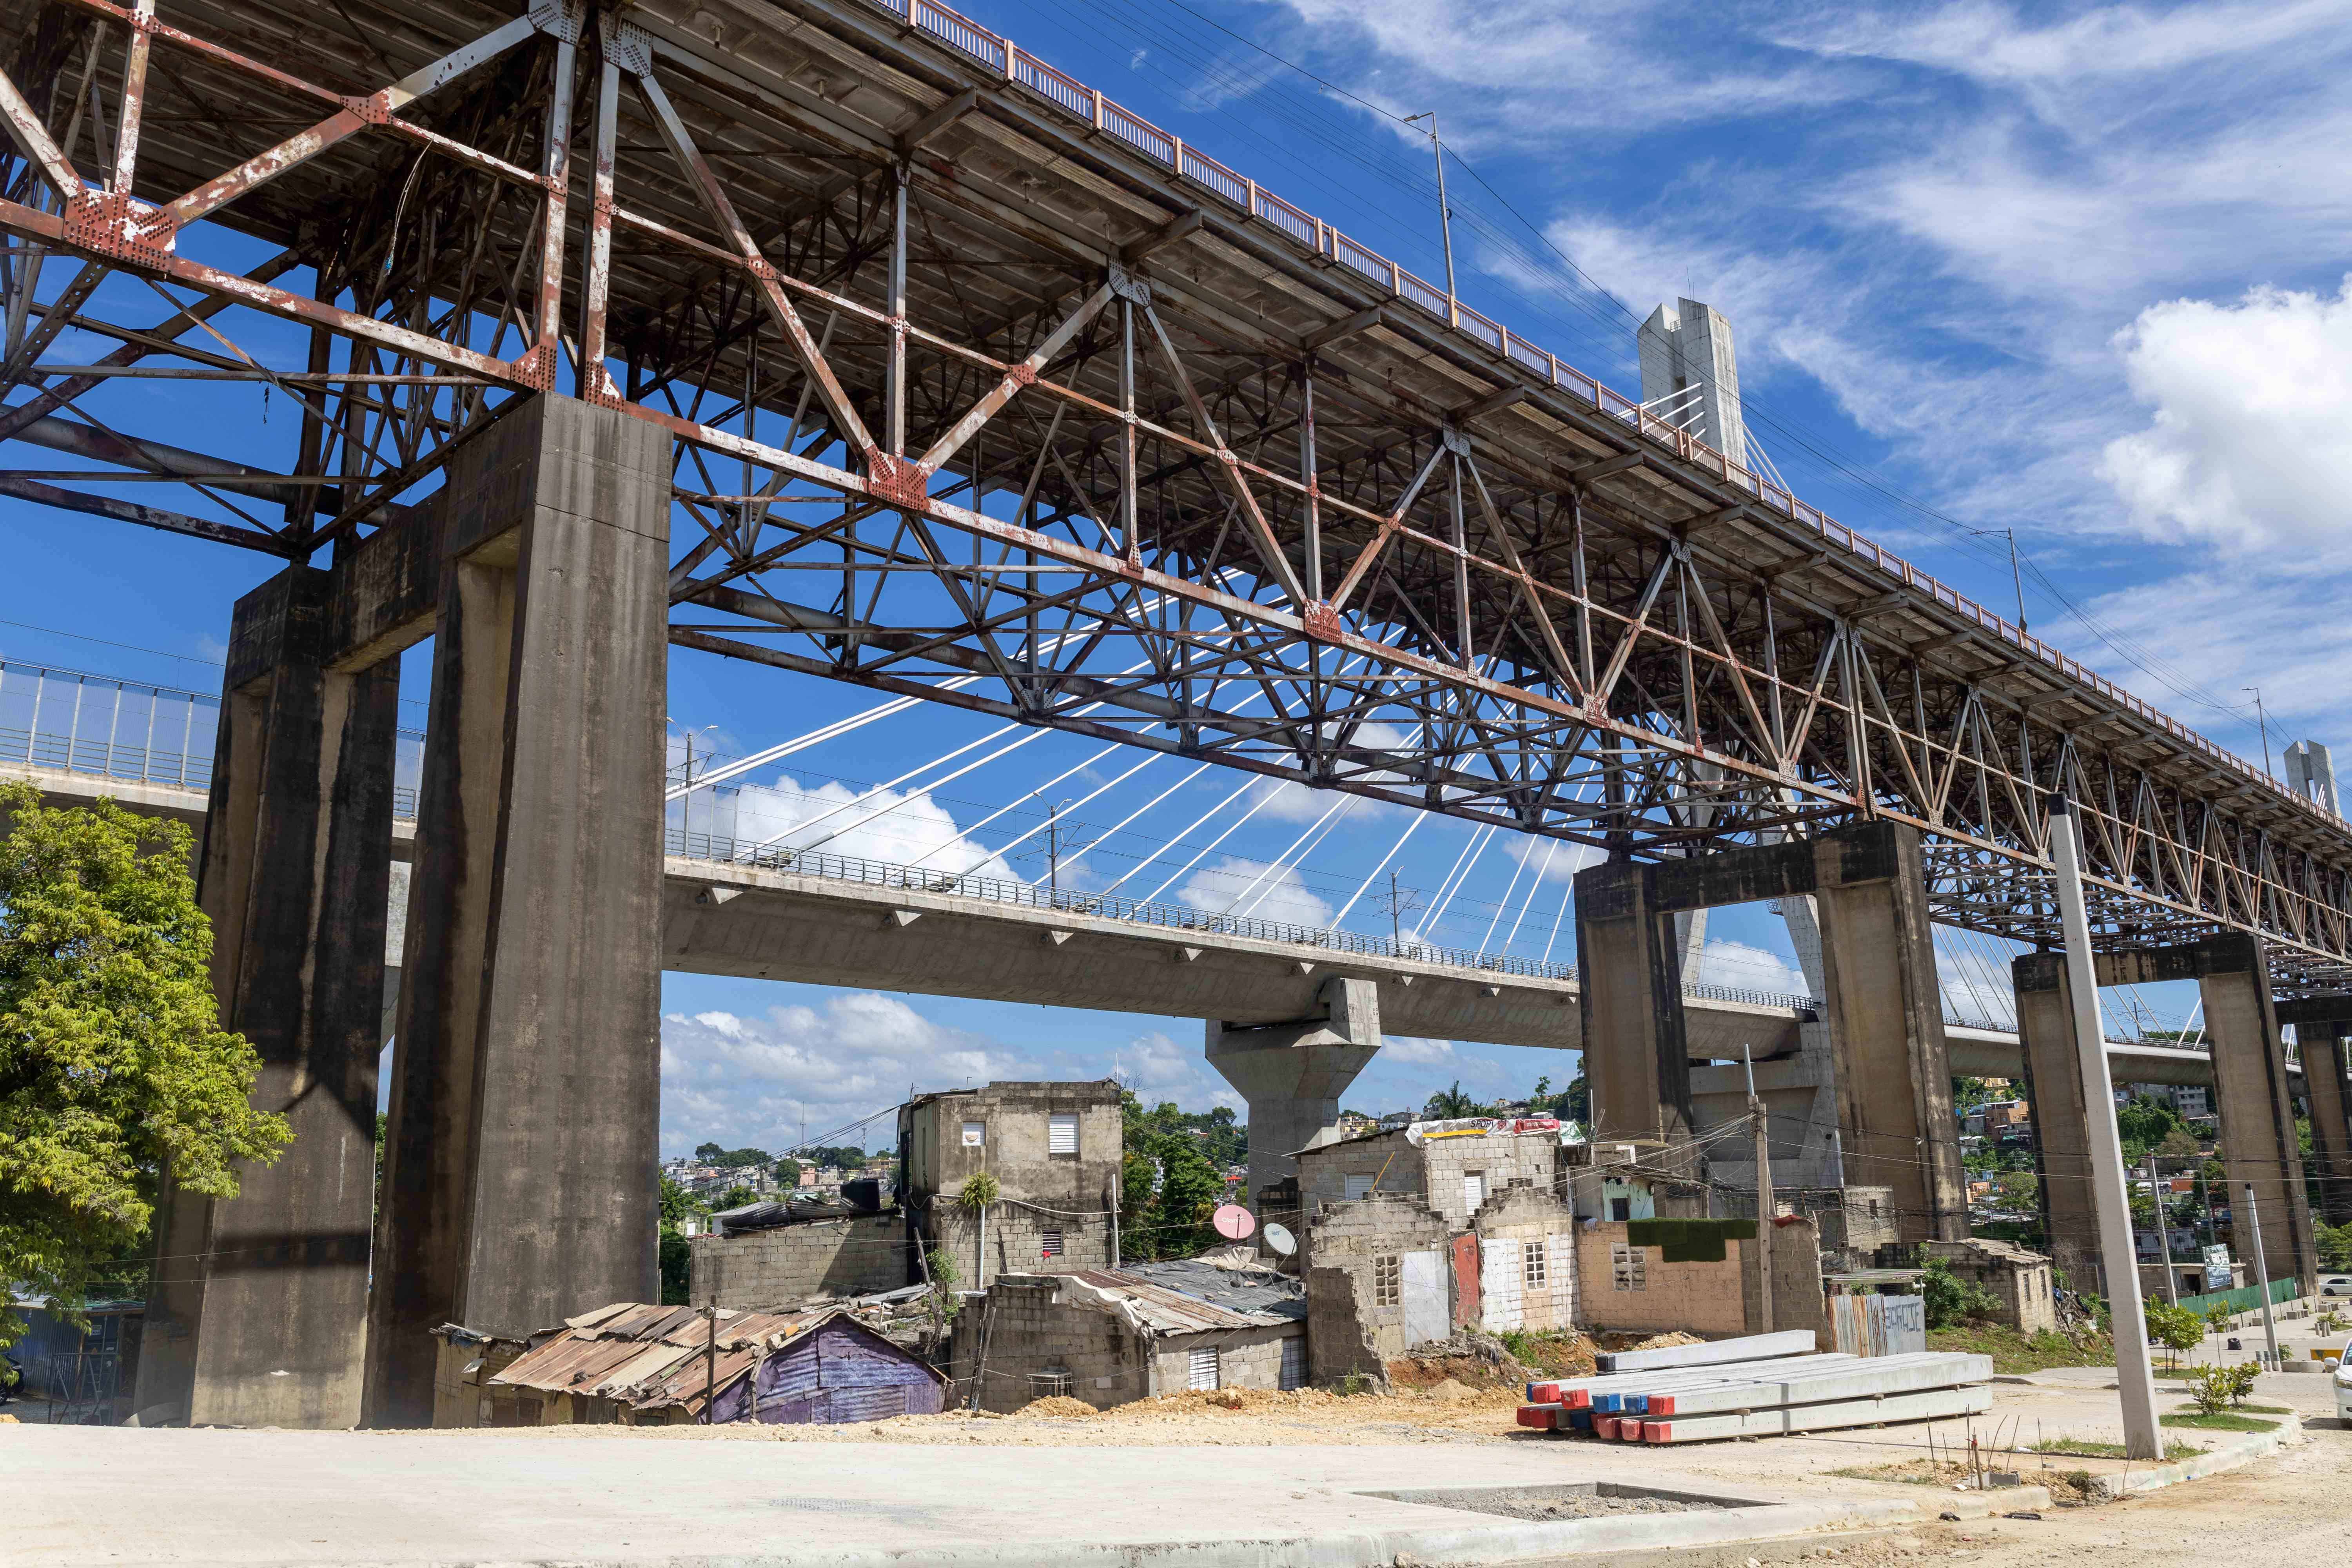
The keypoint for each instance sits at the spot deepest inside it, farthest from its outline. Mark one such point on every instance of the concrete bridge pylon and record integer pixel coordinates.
(1292, 1074)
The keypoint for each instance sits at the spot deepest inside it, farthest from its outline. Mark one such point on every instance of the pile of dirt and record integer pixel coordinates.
(1056, 1405)
(1614, 1343)
(1472, 1358)
(1224, 1402)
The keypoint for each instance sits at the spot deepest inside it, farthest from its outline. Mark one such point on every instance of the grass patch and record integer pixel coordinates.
(1910, 1472)
(2089, 1448)
(2226, 1421)
(1549, 1353)
(2015, 1352)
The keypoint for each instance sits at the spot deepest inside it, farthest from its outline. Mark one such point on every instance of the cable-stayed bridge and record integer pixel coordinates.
(850, 339)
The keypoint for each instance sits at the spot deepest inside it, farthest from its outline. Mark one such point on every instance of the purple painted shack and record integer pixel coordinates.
(840, 1371)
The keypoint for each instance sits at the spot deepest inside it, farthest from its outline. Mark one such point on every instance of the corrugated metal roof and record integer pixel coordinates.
(1188, 1298)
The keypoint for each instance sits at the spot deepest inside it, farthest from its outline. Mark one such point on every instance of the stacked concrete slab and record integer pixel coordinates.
(1751, 1387)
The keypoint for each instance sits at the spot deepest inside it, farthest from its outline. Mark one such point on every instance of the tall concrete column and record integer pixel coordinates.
(518, 1185)
(258, 1309)
(2331, 1117)
(2062, 1128)
(1886, 1025)
(1629, 972)
(1292, 1074)
(2250, 1091)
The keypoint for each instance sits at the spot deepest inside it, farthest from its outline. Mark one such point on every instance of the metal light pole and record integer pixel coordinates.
(2135, 1377)
(2262, 718)
(2016, 576)
(2163, 1236)
(1445, 213)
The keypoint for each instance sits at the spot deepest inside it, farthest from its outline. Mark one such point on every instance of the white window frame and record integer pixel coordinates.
(1535, 1265)
(1057, 1124)
(1204, 1361)
(1049, 1243)
(1473, 1191)
(1359, 1185)
(975, 1134)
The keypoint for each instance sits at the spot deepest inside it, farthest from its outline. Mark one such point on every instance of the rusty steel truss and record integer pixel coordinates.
(986, 390)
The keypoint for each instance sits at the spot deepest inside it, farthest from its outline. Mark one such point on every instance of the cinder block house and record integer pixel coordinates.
(1111, 1336)
(1054, 1149)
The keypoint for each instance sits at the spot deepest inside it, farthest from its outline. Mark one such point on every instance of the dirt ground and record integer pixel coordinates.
(2291, 1510)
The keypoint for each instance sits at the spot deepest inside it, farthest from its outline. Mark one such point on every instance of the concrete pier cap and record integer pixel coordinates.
(1293, 1074)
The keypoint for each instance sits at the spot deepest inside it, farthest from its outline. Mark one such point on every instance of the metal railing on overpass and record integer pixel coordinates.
(68, 721)
(1182, 918)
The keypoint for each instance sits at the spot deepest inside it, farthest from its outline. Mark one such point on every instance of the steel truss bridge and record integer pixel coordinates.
(988, 391)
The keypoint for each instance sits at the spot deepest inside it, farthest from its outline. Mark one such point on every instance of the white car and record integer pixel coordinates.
(2336, 1284)
(2344, 1385)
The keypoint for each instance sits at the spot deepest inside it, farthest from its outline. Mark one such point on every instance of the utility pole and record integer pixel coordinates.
(2135, 1377)
(2261, 1277)
(1764, 1206)
(2262, 717)
(2016, 576)
(1445, 213)
(2163, 1236)
(710, 1366)
(1398, 901)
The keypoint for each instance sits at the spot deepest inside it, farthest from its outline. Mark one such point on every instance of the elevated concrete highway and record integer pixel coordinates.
(862, 923)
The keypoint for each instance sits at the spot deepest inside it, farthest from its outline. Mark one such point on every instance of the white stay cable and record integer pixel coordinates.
(1549, 850)
(742, 765)
(1418, 818)
(1002, 810)
(1247, 785)
(1279, 861)
(1220, 838)
(1345, 806)
(1485, 836)
(1011, 844)
(1099, 842)
(1517, 871)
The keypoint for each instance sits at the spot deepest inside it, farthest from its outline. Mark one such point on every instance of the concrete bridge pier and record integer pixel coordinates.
(2259, 1144)
(257, 1306)
(2053, 1085)
(518, 1184)
(1292, 1074)
(2331, 1116)
(1881, 1002)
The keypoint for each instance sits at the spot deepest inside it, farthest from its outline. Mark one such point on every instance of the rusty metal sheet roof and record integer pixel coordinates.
(1167, 1311)
(684, 1383)
(569, 1363)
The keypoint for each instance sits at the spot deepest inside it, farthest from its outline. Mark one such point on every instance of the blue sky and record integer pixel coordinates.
(2074, 271)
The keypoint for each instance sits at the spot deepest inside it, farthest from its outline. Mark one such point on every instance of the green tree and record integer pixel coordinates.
(112, 1060)
(2335, 1243)
(1447, 1104)
(2177, 1328)
(1169, 1184)
(1950, 1299)
(2143, 1124)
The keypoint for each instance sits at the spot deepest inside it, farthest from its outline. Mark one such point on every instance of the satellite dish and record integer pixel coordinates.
(1234, 1222)
(1278, 1237)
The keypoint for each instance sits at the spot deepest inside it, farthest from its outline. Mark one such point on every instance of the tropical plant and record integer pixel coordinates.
(979, 1189)
(1951, 1299)
(113, 1064)
(2177, 1328)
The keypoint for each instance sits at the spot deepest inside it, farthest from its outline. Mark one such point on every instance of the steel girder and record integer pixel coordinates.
(973, 403)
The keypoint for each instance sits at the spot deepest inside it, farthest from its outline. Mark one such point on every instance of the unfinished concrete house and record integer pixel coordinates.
(1412, 1232)
(1110, 1336)
(1054, 1149)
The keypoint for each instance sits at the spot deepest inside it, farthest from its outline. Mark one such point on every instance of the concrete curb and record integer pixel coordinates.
(2219, 1461)
(1454, 1546)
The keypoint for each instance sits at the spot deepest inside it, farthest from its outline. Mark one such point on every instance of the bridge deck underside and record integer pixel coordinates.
(1146, 465)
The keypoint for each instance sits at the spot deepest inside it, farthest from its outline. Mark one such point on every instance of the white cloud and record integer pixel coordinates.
(876, 825)
(1743, 966)
(1230, 884)
(739, 1080)
(1157, 1067)
(1417, 1049)
(2250, 441)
